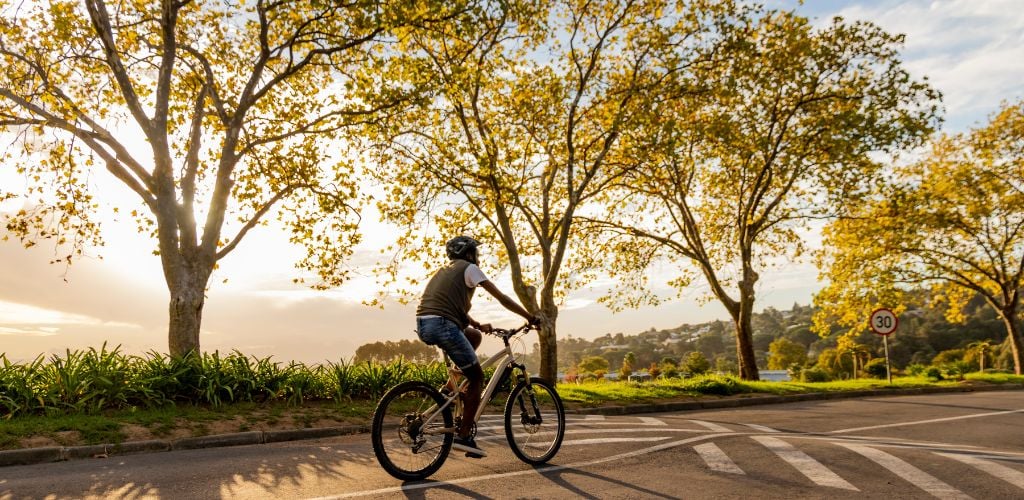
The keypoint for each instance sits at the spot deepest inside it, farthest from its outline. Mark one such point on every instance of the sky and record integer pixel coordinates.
(971, 50)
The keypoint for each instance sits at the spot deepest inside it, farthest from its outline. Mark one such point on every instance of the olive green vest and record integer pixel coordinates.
(447, 294)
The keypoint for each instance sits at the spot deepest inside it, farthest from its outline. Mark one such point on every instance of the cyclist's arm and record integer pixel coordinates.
(505, 300)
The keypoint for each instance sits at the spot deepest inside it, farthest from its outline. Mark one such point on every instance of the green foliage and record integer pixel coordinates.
(876, 368)
(933, 373)
(815, 375)
(785, 353)
(916, 369)
(696, 364)
(93, 381)
(948, 356)
(592, 365)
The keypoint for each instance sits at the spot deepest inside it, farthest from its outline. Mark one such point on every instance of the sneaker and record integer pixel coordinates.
(469, 446)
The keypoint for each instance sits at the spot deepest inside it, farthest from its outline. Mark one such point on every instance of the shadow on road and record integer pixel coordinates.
(450, 490)
(242, 471)
(563, 477)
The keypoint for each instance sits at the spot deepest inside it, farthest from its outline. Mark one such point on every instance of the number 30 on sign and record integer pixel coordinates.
(883, 321)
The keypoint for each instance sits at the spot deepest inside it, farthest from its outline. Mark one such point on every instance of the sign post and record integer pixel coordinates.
(884, 322)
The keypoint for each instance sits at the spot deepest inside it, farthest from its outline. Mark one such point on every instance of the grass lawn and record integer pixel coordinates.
(185, 421)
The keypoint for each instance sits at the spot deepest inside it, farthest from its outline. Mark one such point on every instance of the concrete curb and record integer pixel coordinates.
(30, 456)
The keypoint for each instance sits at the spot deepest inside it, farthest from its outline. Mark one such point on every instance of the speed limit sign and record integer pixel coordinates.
(883, 321)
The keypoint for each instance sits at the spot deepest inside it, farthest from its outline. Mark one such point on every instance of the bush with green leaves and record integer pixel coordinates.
(876, 368)
(94, 380)
(916, 369)
(815, 374)
(933, 373)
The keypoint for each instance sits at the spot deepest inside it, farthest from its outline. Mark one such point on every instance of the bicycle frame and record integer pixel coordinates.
(504, 359)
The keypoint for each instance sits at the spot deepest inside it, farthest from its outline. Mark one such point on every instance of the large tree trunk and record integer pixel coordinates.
(186, 282)
(549, 344)
(745, 339)
(744, 331)
(1014, 337)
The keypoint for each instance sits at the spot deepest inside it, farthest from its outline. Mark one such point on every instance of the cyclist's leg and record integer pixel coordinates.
(471, 398)
(474, 336)
(460, 348)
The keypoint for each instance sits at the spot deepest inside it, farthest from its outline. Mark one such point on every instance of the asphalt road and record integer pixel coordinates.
(964, 445)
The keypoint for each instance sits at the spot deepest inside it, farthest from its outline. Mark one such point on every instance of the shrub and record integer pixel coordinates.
(713, 384)
(948, 356)
(933, 372)
(815, 375)
(876, 368)
(696, 364)
(916, 369)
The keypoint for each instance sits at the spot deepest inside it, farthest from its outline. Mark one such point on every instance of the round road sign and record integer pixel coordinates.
(883, 321)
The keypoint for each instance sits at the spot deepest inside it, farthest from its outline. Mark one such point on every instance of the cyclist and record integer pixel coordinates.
(442, 319)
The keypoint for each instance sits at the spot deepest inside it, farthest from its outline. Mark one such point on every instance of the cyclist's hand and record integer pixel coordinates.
(486, 327)
(535, 320)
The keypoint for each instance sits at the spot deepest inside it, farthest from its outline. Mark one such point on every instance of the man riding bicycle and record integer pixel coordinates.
(442, 319)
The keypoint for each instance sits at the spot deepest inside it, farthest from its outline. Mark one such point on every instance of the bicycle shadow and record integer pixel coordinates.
(559, 477)
(434, 487)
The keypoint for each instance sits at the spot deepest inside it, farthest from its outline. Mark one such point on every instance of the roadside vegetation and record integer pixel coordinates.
(105, 396)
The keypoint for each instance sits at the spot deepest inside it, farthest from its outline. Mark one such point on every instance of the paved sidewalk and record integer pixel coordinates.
(60, 453)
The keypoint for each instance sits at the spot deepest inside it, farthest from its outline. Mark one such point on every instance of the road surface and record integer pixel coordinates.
(963, 445)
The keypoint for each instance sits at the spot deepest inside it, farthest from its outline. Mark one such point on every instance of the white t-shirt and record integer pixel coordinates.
(474, 276)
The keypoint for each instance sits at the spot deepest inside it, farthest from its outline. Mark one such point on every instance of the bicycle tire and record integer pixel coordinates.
(539, 398)
(406, 454)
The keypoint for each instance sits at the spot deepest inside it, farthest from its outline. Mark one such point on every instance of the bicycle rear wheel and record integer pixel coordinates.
(405, 445)
(534, 421)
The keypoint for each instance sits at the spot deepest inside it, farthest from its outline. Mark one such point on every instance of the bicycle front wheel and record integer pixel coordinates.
(407, 431)
(534, 421)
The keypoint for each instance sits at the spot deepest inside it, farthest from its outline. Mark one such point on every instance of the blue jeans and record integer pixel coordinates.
(445, 334)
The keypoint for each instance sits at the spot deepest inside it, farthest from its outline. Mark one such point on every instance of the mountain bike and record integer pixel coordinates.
(414, 423)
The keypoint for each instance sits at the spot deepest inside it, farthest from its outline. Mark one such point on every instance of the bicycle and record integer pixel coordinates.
(414, 424)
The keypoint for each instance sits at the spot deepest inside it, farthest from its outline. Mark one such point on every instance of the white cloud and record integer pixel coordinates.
(12, 313)
(972, 51)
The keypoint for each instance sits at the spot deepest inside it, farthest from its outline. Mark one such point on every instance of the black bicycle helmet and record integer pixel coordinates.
(462, 247)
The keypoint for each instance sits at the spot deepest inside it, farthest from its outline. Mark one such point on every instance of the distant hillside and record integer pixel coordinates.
(923, 333)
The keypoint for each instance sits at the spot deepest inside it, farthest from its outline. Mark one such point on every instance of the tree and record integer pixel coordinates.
(593, 364)
(784, 133)
(627, 366)
(410, 350)
(696, 364)
(952, 222)
(785, 353)
(524, 134)
(981, 349)
(216, 115)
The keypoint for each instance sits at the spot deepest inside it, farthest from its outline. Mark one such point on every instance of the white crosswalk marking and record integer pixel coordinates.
(651, 421)
(716, 459)
(807, 466)
(1001, 471)
(917, 477)
(592, 418)
(760, 428)
(711, 426)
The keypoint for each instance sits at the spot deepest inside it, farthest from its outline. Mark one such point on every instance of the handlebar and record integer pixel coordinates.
(507, 333)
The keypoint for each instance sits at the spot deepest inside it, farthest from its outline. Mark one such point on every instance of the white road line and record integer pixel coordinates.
(493, 436)
(1001, 471)
(807, 466)
(591, 418)
(915, 476)
(716, 459)
(711, 426)
(761, 428)
(538, 470)
(614, 440)
(931, 421)
(651, 421)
